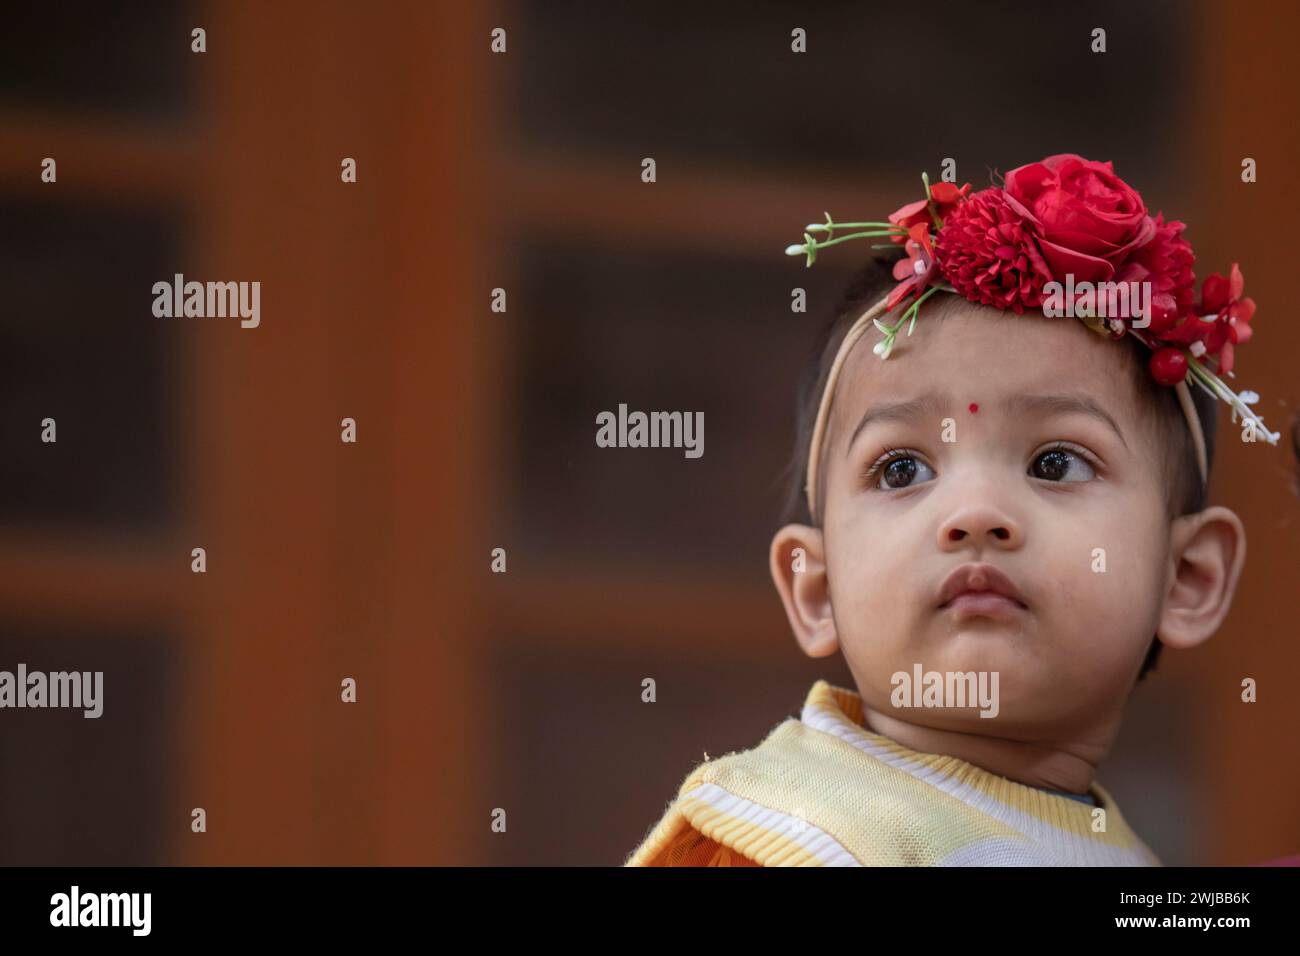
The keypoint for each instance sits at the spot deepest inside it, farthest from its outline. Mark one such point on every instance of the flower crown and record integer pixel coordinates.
(1070, 238)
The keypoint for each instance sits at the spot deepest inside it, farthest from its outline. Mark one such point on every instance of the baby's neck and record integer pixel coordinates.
(1046, 766)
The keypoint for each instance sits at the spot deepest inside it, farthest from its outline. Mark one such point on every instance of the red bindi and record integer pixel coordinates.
(974, 407)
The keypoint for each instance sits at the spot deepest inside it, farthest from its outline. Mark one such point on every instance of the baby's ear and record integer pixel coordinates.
(1208, 550)
(798, 565)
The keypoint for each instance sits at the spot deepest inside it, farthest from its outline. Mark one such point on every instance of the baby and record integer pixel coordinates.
(1001, 524)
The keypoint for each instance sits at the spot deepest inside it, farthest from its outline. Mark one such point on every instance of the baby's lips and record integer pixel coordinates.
(979, 577)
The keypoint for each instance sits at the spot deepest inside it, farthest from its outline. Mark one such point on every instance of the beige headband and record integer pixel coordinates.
(866, 321)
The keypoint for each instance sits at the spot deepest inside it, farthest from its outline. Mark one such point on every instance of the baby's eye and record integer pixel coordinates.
(1056, 464)
(899, 469)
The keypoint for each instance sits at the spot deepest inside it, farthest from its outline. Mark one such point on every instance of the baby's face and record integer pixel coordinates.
(1030, 481)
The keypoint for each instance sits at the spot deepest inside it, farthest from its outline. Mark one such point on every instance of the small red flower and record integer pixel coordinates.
(944, 196)
(1232, 312)
(947, 195)
(1221, 320)
(917, 270)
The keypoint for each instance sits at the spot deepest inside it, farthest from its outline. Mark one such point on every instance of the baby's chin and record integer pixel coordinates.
(996, 688)
(978, 680)
(944, 641)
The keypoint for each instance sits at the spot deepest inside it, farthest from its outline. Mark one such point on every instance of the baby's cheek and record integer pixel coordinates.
(872, 620)
(1100, 606)
(869, 616)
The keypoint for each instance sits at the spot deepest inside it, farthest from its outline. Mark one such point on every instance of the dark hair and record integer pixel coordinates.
(1187, 493)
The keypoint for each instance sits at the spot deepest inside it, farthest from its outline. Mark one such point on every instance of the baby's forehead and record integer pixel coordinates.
(969, 355)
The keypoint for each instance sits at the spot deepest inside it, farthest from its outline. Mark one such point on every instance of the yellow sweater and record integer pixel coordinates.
(823, 790)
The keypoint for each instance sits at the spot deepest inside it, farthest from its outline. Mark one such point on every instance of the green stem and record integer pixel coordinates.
(1221, 391)
(910, 312)
(854, 235)
(1208, 378)
(854, 225)
(929, 205)
(915, 308)
(929, 292)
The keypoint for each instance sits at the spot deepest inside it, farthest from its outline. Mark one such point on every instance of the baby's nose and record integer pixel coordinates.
(982, 524)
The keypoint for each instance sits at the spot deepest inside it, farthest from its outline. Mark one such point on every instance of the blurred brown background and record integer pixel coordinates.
(476, 429)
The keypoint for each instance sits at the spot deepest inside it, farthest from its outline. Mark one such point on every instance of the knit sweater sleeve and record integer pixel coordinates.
(693, 848)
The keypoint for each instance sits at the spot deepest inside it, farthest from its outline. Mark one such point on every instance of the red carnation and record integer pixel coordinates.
(987, 251)
(1166, 262)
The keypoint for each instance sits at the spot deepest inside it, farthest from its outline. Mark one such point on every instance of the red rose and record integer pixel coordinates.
(987, 252)
(1088, 221)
